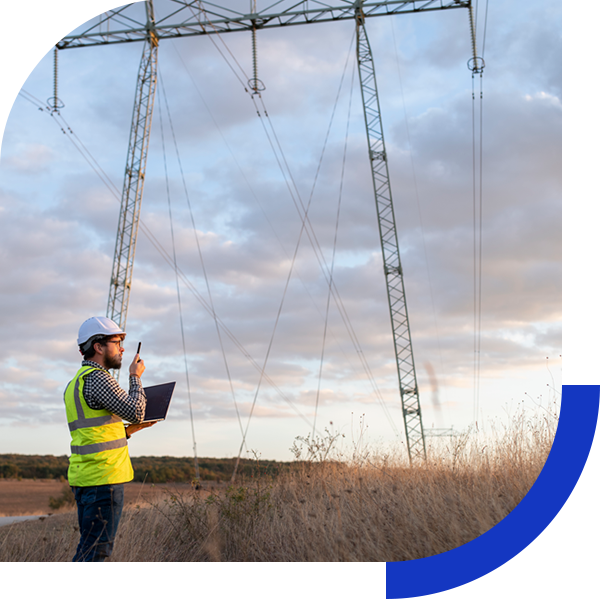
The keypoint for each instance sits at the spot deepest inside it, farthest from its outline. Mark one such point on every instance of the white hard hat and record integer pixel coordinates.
(97, 325)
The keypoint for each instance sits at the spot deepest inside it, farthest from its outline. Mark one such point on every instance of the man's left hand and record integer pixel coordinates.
(134, 428)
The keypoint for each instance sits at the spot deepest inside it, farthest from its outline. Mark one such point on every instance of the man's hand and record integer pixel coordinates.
(134, 428)
(137, 366)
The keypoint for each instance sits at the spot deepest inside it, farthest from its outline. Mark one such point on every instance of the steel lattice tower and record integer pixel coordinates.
(191, 18)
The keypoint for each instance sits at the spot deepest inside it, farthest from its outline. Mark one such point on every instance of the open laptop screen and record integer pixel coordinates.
(158, 399)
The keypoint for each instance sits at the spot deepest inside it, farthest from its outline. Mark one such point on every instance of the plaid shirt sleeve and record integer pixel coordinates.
(101, 391)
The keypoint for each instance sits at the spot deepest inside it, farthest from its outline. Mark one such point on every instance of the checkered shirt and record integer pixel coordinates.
(101, 391)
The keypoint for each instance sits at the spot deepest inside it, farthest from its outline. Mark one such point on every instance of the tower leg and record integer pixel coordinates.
(409, 392)
(133, 185)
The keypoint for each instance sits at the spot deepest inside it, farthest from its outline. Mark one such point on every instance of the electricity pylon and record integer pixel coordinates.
(190, 18)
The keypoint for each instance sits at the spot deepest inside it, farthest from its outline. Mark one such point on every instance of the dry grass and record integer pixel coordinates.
(369, 508)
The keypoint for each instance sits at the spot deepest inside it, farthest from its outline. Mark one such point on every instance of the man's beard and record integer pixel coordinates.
(113, 362)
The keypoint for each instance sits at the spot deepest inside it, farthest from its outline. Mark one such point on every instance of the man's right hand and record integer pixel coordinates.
(137, 366)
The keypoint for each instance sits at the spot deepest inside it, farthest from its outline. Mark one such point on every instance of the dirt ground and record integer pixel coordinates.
(31, 497)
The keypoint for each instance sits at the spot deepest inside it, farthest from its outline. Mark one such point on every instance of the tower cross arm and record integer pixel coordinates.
(189, 18)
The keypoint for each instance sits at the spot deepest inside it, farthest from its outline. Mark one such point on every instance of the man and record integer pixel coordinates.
(99, 464)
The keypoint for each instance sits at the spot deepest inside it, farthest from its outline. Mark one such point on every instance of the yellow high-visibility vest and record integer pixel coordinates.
(99, 454)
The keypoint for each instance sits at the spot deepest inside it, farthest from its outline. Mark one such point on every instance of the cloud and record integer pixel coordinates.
(31, 158)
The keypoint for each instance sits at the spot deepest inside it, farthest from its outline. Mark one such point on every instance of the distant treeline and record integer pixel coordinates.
(151, 469)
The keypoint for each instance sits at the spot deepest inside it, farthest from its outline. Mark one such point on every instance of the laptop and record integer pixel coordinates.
(158, 399)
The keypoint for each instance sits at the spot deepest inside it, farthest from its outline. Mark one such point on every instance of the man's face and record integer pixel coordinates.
(113, 353)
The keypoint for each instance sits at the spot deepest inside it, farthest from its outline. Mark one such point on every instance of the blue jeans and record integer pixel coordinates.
(99, 511)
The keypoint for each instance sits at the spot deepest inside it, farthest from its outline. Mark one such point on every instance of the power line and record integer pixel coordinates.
(418, 202)
(337, 222)
(185, 360)
(477, 65)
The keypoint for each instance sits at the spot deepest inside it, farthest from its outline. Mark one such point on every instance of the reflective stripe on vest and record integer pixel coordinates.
(99, 452)
(97, 447)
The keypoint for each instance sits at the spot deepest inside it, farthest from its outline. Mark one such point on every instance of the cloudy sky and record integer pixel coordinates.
(59, 224)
